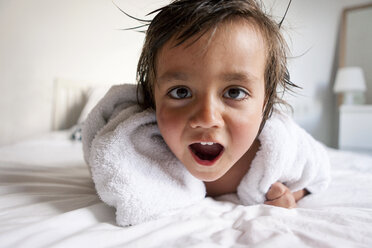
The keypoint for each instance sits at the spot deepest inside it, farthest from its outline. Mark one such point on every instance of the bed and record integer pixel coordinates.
(47, 199)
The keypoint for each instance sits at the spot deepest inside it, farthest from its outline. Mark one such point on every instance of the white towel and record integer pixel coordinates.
(134, 170)
(287, 154)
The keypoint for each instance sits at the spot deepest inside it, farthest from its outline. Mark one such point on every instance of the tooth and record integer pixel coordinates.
(206, 143)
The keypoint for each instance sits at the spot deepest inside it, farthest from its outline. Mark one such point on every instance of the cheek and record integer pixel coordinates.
(170, 124)
(245, 130)
(167, 118)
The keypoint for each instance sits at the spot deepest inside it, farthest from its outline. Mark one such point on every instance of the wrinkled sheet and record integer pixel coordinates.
(47, 199)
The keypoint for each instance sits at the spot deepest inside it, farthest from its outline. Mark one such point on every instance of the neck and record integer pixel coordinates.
(229, 182)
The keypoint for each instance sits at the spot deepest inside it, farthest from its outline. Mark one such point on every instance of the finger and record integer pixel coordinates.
(298, 195)
(276, 190)
(285, 201)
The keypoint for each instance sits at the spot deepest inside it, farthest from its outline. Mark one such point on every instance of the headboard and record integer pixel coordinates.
(69, 99)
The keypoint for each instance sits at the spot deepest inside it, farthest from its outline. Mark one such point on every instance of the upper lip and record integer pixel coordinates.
(204, 137)
(206, 141)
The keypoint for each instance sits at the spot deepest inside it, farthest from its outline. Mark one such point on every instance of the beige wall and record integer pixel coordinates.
(44, 39)
(358, 44)
(312, 29)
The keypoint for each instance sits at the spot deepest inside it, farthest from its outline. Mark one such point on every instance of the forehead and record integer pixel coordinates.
(207, 36)
(235, 40)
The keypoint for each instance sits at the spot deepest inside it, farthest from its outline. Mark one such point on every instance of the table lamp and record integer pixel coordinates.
(349, 80)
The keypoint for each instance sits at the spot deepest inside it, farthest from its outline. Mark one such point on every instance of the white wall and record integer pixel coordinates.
(44, 39)
(312, 29)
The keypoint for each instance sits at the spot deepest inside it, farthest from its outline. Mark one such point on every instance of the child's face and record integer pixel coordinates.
(211, 93)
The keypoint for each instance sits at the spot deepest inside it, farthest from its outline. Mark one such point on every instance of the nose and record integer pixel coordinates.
(207, 114)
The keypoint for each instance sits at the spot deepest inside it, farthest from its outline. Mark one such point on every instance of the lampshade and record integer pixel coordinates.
(349, 79)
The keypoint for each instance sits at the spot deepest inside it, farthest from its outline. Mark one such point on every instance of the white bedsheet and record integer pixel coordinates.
(47, 199)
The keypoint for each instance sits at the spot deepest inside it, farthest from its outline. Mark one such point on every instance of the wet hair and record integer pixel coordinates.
(182, 20)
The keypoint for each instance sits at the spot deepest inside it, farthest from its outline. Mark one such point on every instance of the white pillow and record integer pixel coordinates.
(95, 94)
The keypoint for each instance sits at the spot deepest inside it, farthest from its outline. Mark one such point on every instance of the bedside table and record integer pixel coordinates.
(355, 130)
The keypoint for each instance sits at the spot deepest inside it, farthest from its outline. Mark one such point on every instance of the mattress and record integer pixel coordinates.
(48, 199)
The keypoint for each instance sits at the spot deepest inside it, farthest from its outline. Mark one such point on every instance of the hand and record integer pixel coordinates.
(279, 195)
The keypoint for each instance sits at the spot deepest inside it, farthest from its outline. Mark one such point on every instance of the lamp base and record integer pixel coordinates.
(353, 98)
(348, 98)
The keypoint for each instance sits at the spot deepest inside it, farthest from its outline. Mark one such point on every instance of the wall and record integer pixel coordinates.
(358, 45)
(45, 39)
(312, 29)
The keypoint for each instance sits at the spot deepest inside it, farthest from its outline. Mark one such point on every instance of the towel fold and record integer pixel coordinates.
(134, 170)
(287, 154)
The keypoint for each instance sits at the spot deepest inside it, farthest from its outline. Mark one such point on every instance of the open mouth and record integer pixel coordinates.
(206, 153)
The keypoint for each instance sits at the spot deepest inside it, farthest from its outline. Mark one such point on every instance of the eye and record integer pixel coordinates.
(179, 93)
(236, 94)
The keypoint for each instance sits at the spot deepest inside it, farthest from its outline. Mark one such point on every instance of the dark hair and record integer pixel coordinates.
(184, 19)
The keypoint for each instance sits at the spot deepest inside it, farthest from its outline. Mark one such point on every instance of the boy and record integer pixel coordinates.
(213, 80)
(209, 71)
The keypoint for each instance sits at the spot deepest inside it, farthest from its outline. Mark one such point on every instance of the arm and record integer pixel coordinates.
(279, 195)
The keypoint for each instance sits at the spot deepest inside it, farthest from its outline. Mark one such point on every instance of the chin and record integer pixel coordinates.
(207, 178)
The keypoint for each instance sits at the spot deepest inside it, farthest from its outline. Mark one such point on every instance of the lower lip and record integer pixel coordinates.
(206, 162)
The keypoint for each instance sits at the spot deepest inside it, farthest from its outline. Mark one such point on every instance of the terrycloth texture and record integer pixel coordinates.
(134, 170)
(287, 154)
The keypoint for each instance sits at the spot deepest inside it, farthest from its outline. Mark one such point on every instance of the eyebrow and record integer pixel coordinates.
(238, 76)
(173, 76)
(226, 77)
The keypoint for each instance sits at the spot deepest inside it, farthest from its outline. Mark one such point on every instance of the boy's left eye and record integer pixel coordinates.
(236, 94)
(179, 93)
